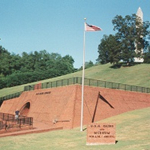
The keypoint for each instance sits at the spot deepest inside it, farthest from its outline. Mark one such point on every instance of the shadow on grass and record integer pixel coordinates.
(123, 64)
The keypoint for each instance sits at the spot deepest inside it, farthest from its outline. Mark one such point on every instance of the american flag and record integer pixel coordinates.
(91, 28)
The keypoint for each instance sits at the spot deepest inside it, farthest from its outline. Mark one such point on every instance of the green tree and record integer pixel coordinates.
(35, 66)
(5, 62)
(27, 62)
(89, 64)
(109, 50)
(103, 51)
(15, 63)
(147, 56)
(67, 62)
(132, 34)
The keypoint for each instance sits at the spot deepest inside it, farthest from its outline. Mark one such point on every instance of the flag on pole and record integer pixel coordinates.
(91, 28)
(87, 27)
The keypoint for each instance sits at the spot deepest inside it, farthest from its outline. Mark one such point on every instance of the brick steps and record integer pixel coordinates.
(27, 131)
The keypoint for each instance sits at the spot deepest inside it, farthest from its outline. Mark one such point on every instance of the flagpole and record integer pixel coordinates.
(83, 67)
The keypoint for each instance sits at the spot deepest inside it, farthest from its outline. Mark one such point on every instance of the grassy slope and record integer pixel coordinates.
(132, 133)
(135, 75)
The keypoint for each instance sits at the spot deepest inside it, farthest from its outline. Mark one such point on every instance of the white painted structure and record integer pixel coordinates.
(139, 14)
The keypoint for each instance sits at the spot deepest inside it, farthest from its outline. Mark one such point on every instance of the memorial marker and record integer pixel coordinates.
(101, 133)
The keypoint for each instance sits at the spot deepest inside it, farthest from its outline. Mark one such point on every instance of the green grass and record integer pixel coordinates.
(133, 128)
(132, 133)
(136, 75)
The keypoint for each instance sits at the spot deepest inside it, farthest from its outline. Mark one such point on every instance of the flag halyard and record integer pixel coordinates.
(92, 27)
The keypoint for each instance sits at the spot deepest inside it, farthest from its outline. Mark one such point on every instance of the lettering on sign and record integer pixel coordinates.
(41, 93)
(103, 133)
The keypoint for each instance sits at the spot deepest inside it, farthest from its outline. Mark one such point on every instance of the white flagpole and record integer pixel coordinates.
(82, 98)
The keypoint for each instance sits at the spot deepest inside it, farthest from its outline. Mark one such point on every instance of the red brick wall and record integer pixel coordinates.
(63, 104)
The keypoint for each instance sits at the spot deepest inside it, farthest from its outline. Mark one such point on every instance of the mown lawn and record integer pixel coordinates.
(132, 133)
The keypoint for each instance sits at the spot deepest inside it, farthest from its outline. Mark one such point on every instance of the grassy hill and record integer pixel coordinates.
(132, 133)
(135, 75)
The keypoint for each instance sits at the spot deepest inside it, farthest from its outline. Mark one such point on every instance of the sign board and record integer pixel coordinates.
(101, 133)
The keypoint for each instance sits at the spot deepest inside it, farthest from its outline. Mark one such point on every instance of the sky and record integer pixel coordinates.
(57, 26)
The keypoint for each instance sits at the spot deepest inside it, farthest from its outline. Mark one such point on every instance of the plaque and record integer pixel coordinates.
(101, 133)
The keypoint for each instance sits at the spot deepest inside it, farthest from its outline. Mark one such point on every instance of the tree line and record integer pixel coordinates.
(130, 41)
(35, 66)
